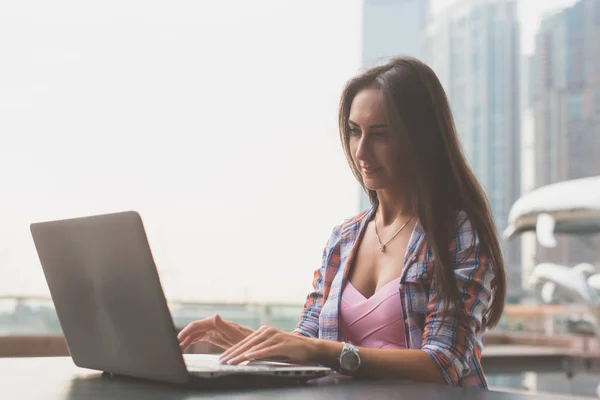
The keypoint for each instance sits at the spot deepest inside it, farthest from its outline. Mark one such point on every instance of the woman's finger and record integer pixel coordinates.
(195, 327)
(193, 338)
(231, 332)
(248, 338)
(247, 353)
(186, 343)
(216, 339)
(269, 351)
(214, 330)
(259, 336)
(213, 337)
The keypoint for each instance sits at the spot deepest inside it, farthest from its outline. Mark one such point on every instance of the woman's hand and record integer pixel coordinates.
(270, 343)
(214, 330)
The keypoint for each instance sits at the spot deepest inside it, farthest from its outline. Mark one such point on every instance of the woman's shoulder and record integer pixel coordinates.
(353, 222)
(350, 225)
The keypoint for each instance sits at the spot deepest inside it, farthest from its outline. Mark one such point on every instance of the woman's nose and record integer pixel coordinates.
(362, 149)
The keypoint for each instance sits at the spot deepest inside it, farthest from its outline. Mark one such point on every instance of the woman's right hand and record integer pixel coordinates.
(214, 330)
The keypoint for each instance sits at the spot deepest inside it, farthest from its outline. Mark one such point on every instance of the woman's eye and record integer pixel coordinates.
(380, 134)
(354, 132)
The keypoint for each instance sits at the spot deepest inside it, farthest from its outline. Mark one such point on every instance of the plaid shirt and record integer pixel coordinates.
(456, 347)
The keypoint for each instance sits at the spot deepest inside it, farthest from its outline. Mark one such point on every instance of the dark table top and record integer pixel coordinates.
(57, 378)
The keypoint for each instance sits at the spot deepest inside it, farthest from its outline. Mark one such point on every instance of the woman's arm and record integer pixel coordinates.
(267, 343)
(452, 342)
(415, 365)
(308, 325)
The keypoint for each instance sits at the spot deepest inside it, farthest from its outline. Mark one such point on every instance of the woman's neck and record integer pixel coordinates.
(393, 207)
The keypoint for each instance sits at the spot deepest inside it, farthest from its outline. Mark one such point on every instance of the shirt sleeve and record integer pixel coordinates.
(452, 343)
(309, 319)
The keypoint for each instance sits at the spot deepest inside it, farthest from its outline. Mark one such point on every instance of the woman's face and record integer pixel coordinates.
(373, 146)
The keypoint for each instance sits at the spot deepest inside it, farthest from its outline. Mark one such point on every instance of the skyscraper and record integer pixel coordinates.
(473, 46)
(566, 104)
(392, 28)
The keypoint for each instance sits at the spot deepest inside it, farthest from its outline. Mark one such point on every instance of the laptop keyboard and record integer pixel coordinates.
(208, 365)
(209, 362)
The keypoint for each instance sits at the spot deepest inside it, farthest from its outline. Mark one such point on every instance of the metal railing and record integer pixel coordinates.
(35, 315)
(29, 326)
(30, 315)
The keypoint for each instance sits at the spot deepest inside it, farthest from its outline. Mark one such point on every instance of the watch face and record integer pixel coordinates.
(349, 361)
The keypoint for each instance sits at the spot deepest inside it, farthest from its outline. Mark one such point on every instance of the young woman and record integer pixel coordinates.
(408, 288)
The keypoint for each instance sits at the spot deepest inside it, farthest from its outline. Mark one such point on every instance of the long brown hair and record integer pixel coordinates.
(443, 183)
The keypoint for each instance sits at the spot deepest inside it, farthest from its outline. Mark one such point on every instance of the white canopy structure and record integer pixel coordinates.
(594, 282)
(571, 207)
(559, 283)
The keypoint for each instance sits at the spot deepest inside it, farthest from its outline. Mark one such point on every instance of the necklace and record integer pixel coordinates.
(382, 245)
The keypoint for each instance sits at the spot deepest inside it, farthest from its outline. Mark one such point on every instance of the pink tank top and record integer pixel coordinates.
(376, 322)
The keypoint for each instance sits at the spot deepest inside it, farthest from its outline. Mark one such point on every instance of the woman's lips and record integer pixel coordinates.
(369, 170)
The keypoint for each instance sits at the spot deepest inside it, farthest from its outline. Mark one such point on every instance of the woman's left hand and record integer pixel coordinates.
(270, 343)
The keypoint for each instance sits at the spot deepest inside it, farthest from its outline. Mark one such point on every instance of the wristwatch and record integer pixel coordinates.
(349, 359)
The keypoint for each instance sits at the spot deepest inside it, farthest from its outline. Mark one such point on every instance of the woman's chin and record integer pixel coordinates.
(373, 184)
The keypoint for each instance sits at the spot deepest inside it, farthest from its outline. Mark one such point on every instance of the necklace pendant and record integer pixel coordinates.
(382, 248)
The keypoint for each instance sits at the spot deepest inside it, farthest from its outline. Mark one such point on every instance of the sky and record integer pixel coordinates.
(216, 120)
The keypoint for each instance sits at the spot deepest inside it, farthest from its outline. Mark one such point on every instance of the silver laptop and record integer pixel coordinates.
(112, 309)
